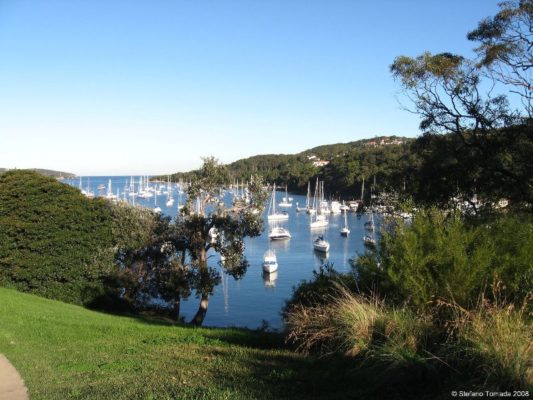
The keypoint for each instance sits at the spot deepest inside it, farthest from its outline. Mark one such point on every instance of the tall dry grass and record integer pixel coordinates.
(496, 339)
(492, 344)
(354, 325)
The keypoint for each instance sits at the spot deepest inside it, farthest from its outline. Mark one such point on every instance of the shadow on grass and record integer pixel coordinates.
(252, 338)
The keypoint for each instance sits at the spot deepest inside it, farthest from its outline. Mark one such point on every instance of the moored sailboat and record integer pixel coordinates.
(270, 262)
(279, 233)
(345, 231)
(321, 244)
(273, 215)
(286, 202)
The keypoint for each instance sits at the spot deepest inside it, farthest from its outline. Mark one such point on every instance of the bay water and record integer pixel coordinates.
(257, 298)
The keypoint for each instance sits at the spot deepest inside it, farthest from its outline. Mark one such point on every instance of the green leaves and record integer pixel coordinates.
(53, 240)
(441, 255)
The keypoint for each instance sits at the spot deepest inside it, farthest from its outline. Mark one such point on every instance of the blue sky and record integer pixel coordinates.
(148, 87)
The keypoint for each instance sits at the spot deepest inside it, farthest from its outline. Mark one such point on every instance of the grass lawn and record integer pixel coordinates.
(65, 351)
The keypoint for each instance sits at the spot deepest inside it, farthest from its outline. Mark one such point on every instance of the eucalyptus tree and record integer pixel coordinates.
(505, 51)
(458, 96)
(208, 223)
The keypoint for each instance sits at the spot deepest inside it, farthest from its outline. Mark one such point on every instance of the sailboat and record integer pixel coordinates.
(369, 225)
(321, 244)
(213, 234)
(279, 233)
(369, 241)
(110, 195)
(132, 192)
(319, 220)
(270, 262)
(180, 206)
(307, 200)
(345, 231)
(286, 202)
(80, 187)
(88, 192)
(156, 209)
(170, 199)
(344, 208)
(273, 215)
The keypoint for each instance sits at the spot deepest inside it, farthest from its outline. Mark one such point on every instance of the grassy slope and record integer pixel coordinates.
(65, 351)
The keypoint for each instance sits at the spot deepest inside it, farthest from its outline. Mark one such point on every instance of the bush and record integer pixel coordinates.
(57, 243)
(321, 289)
(53, 241)
(443, 255)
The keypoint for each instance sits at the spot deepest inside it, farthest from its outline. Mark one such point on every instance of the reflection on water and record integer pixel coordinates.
(321, 256)
(280, 245)
(269, 279)
(256, 297)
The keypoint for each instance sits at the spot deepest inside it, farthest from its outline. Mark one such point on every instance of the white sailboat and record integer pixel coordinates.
(279, 233)
(180, 206)
(270, 262)
(369, 241)
(344, 208)
(272, 214)
(321, 244)
(286, 202)
(345, 231)
(319, 220)
(88, 192)
(335, 207)
(81, 189)
(213, 234)
(170, 198)
(110, 195)
(156, 209)
(307, 200)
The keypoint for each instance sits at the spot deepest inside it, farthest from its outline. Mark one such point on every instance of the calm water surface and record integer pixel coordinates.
(258, 297)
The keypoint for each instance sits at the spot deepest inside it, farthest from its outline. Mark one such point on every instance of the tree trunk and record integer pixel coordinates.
(198, 319)
(176, 309)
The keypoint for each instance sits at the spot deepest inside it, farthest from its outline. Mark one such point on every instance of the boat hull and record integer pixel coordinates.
(269, 268)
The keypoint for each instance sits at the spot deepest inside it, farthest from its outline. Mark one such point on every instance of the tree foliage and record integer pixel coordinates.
(206, 223)
(490, 146)
(57, 243)
(505, 51)
(53, 241)
(445, 256)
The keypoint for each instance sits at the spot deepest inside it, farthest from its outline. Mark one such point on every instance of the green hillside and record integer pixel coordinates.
(47, 172)
(342, 166)
(64, 351)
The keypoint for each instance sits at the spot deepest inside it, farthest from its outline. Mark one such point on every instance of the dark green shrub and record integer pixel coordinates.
(443, 255)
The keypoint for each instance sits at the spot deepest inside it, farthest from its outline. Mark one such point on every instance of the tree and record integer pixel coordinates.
(455, 95)
(505, 48)
(206, 223)
(153, 270)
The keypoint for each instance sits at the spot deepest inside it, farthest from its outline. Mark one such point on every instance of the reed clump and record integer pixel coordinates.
(495, 339)
(354, 325)
(489, 345)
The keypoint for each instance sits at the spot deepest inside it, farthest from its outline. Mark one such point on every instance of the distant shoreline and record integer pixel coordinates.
(45, 172)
